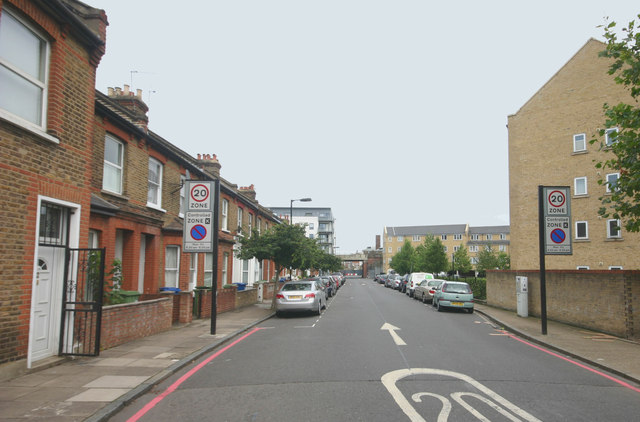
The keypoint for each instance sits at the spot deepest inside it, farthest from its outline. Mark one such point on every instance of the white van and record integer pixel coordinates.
(415, 279)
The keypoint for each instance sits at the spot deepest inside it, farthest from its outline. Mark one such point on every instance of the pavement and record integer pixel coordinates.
(95, 388)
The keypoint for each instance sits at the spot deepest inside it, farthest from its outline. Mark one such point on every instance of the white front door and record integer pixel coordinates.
(46, 315)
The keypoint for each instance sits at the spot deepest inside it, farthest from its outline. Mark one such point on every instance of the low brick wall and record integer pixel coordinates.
(131, 321)
(246, 297)
(605, 301)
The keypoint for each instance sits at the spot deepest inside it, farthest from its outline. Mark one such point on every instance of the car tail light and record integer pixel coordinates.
(309, 295)
(279, 296)
(431, 291)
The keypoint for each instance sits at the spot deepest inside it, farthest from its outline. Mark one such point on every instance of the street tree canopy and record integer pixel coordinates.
(403, 262)
(462, 262)
(623, 202)
(431, 256)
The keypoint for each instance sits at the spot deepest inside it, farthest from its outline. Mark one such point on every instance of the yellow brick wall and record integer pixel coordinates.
(541, 153)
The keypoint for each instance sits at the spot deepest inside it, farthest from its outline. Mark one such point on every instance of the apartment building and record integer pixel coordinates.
(549, 145)
(452, 236)
(320, 223)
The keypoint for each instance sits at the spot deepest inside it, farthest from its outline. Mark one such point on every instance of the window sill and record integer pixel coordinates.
(586, 195)
(155, 207)
(613, 239)
(30, 127)
(114, 194)
(583, 152)
(585, 240)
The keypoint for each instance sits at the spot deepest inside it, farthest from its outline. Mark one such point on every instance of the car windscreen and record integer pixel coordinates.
(296, 286)
(457, 288)
(433, 283)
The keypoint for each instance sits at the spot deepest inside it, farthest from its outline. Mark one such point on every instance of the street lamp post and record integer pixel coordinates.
(291, 207)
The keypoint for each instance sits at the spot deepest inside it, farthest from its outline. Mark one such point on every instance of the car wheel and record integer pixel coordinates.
(319, 310)
(279, 314)
(423, 299)
(470, 310)
(440, 308)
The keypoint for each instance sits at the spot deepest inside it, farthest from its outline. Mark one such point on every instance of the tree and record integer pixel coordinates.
(284, 244)
(431, 256)
(487, 259)
(403, 262)
(623, 202)
(462, 261)
(504, 261)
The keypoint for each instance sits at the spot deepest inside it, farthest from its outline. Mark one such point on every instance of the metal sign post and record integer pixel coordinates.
(200, 232)
(554, 231)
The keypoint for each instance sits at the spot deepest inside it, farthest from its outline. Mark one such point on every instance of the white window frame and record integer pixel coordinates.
(489, 237)
(175, 270)
(225, 268)
(615, 267)
(225, 214)
(586, 230)
(608, 182)
(118, 167)
(259, 225)
(193, 270)
(503, 236)
(390, 249)
(399, 248)
(250, 223)
(611, 235)
(153, 184)
(208, 270)
(390, 238)
(579, 145)
(575, 186)
(456, 248)
(475, 237)
(473, 248)
(582, 267)
(473, 260)
(245, 271)
(416, 238)
(240, 218)
(400, 238)
(457, 237)
(40, 82)
(443, 237)
(502, 248)
(608, 139)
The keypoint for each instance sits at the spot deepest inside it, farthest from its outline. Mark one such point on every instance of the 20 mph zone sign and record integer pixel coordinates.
(557, 220)
(198, 217)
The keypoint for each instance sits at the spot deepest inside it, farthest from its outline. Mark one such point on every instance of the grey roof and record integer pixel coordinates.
(489, 230)
(424, 230)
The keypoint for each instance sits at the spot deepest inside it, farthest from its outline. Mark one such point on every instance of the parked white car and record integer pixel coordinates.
(415, 279)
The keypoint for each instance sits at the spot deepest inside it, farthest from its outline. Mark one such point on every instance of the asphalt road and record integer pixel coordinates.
(343, 366)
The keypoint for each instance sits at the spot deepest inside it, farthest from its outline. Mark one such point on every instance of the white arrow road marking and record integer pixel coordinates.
(392, 330)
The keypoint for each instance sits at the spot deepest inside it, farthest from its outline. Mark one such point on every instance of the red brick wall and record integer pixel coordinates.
(246, 297)
(31, 165)
(131, 321)
(605, 301)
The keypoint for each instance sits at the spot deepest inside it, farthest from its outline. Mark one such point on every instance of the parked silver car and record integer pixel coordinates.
(426, 289)
(302, 295)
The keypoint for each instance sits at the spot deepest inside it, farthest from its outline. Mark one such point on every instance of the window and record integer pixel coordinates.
(311, 226)
(503, 236)
(240, 215)
(208, 270)
(193, 270)
(225, 214)
(400, 238)
(94, 239)
(579, 142)
(23, 73)
(443, 236)
(225, 268)
(250, 223)
(580, 186)
(390, 239)
(112, 169)
(613, 229)
(502, 248)
(582, 267)
(259, 224)
(457, 237)
(245, 271)
(390, 249)
(456, 248)
(582, 230)
(474, 260)
(416, 237)
(612, 181)
(610, 135)
(183, 190)
(615, 267)
(489, 237)
(154, 194)
(446, 249)
(399, 248)
(473, 248)
(475, 237)
(171, 266)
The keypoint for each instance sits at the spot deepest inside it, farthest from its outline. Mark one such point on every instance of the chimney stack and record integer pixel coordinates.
(249, 191)
(133, 103)
(210, 164)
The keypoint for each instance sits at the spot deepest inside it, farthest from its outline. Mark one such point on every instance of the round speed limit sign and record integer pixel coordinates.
(556, 198)
(199, 196)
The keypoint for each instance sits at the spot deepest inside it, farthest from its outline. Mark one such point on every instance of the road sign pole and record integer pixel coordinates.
(214, 257)
(543, 277)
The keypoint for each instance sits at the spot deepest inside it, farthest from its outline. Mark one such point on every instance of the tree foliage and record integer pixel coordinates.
(431, 256)
(488, 259)
(462, 262)
(624, 201)
(403, 262)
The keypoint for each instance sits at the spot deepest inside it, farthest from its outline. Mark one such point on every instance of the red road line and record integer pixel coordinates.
(173, 387)
(602, 374)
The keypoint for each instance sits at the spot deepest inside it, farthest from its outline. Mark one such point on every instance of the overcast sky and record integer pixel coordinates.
(391, 113)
